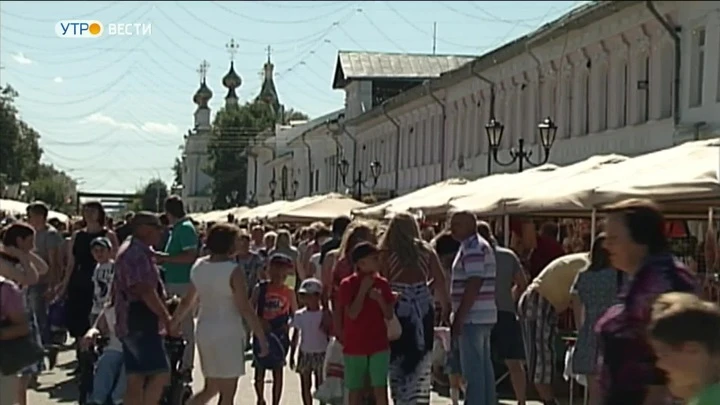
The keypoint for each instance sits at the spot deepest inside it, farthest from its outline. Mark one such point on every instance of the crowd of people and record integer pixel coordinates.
(378, 299)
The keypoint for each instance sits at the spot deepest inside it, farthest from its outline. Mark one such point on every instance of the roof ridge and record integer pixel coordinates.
(409, 54)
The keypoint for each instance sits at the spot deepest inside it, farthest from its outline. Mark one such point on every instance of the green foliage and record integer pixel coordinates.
(20, 155)
(19, 149)
(292, 115)
(233, 130)
(153, 197)
(55, 188)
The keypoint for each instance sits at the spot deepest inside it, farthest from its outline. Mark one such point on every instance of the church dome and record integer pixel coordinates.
(232, 80)
(203, 95)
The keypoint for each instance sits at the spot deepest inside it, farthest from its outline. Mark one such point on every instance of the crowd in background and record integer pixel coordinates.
(384, 297)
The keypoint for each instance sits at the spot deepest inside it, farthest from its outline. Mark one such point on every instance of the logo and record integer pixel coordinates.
(79, 29)
(96, 29)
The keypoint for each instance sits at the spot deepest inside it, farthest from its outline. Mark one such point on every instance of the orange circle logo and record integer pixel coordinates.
(95, 29)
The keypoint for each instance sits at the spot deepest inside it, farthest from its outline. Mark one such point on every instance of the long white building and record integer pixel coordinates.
(623, 77)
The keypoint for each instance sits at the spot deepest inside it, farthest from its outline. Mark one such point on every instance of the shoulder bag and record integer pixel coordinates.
(18, 353)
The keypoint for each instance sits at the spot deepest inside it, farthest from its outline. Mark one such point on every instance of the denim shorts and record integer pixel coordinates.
(144, 353)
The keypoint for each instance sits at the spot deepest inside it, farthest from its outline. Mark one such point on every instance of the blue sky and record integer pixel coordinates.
(112, 111)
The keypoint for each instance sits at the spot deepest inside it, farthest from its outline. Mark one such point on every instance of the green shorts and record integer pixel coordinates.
(359, 368)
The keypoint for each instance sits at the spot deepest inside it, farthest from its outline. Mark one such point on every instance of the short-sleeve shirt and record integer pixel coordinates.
(102, 281)
(508, 265)
(278, 301)
(367, 333)
(555, 280)
(475, 258)
(11, 299)
(313, 338)
(46, 240)
(183, 237)
(709, 396)
(134, 266)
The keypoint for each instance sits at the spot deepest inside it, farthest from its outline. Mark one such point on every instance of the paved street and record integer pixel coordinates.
(57, 387)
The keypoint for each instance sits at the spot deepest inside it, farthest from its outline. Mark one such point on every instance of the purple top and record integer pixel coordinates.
(628, 361)
(134, 265)
(11, 299)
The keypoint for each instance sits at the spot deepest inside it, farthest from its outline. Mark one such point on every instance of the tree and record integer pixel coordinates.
(292, 115)
(19, 148)
(233, 129)
(54, 187)
(153, 197)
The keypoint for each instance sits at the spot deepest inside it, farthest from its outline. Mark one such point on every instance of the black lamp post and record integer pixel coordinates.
(272, 185)
(251, 201)
(284, 185)
(494, 130)
(358, 183)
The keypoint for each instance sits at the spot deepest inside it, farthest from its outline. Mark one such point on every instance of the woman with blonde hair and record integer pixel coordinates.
(410, 265)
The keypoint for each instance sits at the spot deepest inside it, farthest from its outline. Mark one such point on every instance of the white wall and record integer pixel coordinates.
(598, 109)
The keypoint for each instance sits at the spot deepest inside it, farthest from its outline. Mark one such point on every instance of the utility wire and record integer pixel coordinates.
(280, 22)
(92, 14)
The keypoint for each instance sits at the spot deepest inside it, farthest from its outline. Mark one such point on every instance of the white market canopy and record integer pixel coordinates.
(682, 178)
(316, 208)
(19, 208)
(686, 174)
(262, 211)
(218, 215)
(407, 202)
(485, 190)
(494, 199)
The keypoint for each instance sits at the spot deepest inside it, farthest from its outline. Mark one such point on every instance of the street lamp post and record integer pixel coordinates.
(272, 185)
(358, 183)
(494, 130)
(251, 202)
(294, 185)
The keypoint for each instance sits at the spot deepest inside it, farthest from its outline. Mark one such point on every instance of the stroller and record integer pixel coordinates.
(176, 393)
(179, 391)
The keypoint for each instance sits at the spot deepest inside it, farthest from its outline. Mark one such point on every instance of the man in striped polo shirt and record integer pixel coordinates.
(474, 310)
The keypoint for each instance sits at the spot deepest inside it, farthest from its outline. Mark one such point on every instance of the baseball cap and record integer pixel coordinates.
(145, 218)
(281, 260)
(101, 241)
(310, 286)
(362, 250)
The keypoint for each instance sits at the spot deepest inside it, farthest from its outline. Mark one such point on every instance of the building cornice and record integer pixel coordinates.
(574, 20)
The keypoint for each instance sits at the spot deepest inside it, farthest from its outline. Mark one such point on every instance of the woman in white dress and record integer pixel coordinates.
(218, 284)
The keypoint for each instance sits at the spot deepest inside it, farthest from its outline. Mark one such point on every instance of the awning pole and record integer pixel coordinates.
(506, 230)
(593, 226)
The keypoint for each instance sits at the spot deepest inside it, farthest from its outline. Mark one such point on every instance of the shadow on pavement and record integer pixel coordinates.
(64, 391)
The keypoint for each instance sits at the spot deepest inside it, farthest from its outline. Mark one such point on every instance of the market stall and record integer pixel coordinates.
(218, 215)
(19, 209)
(321, 208)
(686, 173)
(261, 211)
(405, 202)
(492, 199)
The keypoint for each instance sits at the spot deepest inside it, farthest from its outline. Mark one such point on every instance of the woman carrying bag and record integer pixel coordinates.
(13, 325)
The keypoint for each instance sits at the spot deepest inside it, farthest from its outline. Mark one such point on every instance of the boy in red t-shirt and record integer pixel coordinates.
(365, 300)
